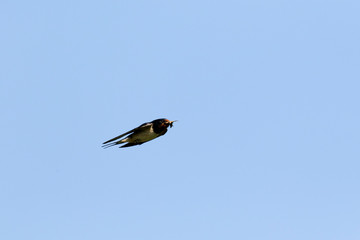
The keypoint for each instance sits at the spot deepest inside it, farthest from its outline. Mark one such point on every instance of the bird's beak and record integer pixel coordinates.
(171, 123)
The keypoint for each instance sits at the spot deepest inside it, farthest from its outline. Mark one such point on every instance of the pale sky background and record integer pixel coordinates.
(267, 98)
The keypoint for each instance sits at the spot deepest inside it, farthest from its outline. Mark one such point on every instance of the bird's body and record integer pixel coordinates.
(144, 133)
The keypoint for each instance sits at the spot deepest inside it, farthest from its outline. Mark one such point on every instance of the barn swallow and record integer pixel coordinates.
(144, 133)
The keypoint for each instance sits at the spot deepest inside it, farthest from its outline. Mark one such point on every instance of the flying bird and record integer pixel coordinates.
(144, 133)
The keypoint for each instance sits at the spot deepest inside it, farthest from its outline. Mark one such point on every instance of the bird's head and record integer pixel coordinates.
(168, 123)
(160, 125)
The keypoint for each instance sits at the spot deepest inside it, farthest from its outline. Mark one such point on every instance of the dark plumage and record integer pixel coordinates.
(144, 133)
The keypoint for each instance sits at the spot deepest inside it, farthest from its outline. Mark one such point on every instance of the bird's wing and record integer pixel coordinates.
(138, 129)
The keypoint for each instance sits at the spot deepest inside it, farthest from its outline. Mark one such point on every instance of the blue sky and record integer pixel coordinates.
(267, 98)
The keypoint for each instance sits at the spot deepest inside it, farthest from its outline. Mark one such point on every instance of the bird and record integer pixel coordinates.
(144, 133)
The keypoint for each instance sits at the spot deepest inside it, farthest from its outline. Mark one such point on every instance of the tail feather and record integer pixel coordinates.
(110, 145)
(107, 145)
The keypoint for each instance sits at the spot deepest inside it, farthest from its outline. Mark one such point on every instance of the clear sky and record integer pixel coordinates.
(266, 93)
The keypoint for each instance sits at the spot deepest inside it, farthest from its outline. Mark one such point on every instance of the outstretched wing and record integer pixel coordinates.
(142, 127)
